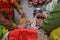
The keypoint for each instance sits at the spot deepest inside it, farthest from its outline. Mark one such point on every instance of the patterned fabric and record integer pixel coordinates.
(42, 35)
(41, 1)
(33, 24)
(37, 1)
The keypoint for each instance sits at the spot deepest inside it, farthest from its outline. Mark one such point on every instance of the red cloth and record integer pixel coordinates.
(6, 3)
(23, 34)
(7, 6)
(12, 1)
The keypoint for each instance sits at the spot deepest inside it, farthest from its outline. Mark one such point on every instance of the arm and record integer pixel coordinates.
(7, 23)
(19, 9)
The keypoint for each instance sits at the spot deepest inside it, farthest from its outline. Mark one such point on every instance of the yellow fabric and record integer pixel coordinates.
(55, 34)
(4, 30)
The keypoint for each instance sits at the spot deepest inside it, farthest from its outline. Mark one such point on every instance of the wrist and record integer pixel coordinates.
(13, 26)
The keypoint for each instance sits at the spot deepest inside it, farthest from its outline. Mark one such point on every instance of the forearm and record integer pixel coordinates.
(19, 9)
(6, 23)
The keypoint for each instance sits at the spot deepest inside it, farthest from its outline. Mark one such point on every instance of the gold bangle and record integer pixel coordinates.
(14, 25)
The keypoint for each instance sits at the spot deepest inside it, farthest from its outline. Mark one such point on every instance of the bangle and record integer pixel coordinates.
(14, 25)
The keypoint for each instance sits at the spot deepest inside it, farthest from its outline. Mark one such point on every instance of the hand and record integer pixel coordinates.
(22, 13)
(24, 22)
(37, 22)
(41, 16)
(20, 26)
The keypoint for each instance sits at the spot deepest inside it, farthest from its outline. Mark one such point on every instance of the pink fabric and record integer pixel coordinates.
(41, 1)
(35, 1)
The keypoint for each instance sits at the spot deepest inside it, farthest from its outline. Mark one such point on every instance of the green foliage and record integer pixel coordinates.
(53, 21)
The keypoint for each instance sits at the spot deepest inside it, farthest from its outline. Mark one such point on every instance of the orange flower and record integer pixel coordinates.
(22, 20)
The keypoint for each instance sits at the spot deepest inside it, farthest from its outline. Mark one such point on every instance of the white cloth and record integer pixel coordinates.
(5, 36)
(33, 24)
(50, 6)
